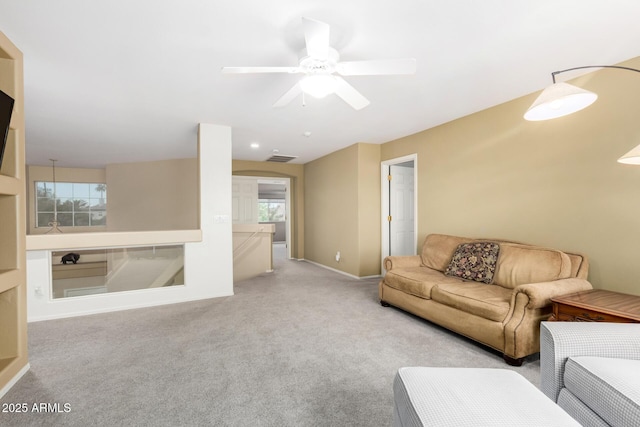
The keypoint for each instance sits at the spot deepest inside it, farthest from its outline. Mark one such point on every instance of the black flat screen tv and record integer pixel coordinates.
(6, 109)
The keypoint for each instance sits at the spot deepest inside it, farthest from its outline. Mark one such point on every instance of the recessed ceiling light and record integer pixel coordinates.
(255, 145)
(307, 134)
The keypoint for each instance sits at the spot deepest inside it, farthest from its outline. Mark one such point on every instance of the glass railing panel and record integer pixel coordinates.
(98, 271)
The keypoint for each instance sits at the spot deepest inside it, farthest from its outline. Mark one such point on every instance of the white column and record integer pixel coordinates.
(209, 264)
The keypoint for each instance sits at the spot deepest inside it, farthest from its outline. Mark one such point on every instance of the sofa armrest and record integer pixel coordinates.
(531, 304)
(540, 294)
(392, 262)
(562, 340)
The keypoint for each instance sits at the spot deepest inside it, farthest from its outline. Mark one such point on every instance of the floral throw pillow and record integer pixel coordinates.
(474, 261)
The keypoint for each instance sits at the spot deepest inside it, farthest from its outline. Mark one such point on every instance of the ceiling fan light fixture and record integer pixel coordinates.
(318, 85)
(321, 70)
(559, 99)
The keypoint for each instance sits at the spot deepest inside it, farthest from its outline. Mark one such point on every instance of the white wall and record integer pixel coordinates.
(208, 263)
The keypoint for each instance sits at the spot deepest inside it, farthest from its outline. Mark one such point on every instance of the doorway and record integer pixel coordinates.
(399, 206)
(274, 208)
(264, 200)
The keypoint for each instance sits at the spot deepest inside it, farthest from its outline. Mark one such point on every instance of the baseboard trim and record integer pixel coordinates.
(111, 309)
(353, 276)
(14, 380)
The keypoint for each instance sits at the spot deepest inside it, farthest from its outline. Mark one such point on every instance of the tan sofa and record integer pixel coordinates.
(504, 314)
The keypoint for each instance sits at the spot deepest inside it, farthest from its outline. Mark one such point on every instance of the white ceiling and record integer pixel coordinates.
(120, 81)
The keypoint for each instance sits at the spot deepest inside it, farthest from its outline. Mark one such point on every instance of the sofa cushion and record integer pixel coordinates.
(474, 261)
(487, 301)
(438, 249)
(416, 281)
(578, 410)
(579, 265)
(519, 264)
(609, 386)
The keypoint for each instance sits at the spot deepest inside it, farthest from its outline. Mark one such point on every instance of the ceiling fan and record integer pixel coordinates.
(322, 69)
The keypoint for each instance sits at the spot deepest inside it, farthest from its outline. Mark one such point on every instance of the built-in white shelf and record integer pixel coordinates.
(13, 298)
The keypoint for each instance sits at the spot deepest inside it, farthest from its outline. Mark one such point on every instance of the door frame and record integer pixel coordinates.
(384, 197)
(287, 205)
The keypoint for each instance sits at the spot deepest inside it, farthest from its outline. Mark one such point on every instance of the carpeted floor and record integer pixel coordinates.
(302, 346)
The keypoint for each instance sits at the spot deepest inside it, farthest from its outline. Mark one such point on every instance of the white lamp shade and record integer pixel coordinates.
(558, 100)
(318, 85)
(632, 157)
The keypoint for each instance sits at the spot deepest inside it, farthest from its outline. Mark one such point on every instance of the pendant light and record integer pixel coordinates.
(54, 224)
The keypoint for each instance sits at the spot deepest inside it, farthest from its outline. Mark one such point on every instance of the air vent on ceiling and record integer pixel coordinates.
(280, 158)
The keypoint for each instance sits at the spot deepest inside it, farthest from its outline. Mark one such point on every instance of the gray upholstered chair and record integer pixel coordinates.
(592, 370)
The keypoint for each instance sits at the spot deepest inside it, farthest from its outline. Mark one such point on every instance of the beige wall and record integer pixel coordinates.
(45, 173)
(144, 196)
(342, 205)
(554, 183)
(369, 209)
(252, 250)
(331, 206)
(159, 195)
(296, 174)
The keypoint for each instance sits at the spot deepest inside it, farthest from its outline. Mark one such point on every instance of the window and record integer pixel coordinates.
(271, 210)
(77, 204)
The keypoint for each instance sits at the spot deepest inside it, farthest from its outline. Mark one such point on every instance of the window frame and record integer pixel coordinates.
(74, 202)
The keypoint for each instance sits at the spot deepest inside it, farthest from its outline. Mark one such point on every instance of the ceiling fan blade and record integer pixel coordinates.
(289, 96)
(377, 67)
(349, 94)
(316, 36)
(246, 70)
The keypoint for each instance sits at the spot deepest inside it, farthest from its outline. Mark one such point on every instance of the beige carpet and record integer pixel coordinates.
(302, 346)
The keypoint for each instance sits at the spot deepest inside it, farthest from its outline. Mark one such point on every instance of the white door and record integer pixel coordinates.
(401, 209)
(244, 200)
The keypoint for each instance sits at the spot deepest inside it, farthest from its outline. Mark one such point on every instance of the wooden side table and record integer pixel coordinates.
(596, 305)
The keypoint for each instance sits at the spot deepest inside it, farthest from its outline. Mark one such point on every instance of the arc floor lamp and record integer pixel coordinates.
(561, 99)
